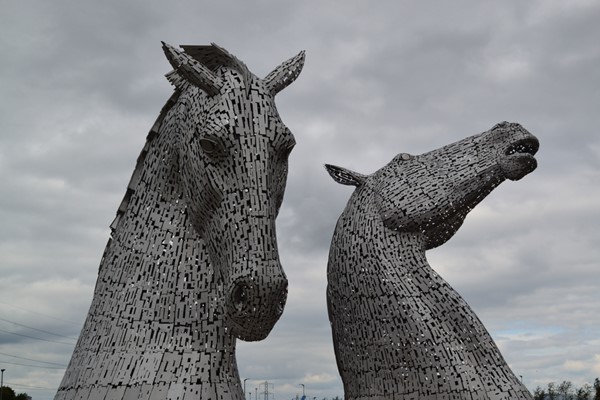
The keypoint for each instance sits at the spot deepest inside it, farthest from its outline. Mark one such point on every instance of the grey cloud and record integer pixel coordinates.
(82, 84)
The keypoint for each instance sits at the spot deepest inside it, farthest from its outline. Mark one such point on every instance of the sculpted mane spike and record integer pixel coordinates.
(192, 71)
(214, 57)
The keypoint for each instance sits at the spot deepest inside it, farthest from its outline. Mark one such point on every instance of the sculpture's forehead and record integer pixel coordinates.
(237, 81)
(401, 165)
(244, 97)
(423, 173)
(238, 112)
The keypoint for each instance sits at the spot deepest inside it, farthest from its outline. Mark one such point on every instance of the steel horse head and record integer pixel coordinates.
(400, 331)
(192, 263)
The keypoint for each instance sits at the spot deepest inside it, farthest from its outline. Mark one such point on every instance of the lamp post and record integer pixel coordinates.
(300, 384)
(244, 388)
(1, 381)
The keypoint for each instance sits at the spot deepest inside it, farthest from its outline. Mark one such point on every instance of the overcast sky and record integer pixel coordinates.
(81, 83)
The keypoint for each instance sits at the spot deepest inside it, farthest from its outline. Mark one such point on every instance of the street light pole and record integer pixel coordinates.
(1, 381)
(244, 388)
(303, 393)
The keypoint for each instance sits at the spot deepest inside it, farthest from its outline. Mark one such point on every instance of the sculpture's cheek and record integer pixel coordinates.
(441, 233)
(423, 214)
(392, 216)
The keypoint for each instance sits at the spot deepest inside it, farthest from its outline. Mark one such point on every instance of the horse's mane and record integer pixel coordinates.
(215, 57)
(212, 57)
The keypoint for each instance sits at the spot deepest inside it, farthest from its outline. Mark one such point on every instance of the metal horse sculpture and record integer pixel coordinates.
(192, 263)
(399, 330)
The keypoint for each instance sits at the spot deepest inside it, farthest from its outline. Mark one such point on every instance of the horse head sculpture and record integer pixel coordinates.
(399, 329)
(233, 151)
(192, 263)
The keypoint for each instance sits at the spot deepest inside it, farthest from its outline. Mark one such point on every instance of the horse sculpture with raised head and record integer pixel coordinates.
(399, 330)
(192, 263)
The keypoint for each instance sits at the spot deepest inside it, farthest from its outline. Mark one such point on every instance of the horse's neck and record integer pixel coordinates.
(160, 261)
(155, 221)
(361, 233)
(387, 303)
(155, 318)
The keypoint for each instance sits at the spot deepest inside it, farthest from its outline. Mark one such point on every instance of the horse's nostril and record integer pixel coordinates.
(239, 297)
(282, 300)
(280, 308)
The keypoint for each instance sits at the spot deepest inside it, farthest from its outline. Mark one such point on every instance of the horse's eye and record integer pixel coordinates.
(211, 146)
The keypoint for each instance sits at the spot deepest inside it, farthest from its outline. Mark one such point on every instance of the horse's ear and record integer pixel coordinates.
(285, 74)
(345, 176)
(191, 70)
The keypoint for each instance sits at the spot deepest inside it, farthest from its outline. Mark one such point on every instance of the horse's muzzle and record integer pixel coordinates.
(254, 304)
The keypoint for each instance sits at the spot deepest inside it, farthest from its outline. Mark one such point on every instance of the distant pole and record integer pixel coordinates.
(303, 393)
(255, 393)
(244, 388)
(1, 381)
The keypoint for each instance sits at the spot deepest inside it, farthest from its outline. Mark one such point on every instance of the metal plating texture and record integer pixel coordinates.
(192, 262)
(399, 330)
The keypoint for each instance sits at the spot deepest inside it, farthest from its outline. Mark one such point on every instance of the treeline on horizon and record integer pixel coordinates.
(562, 391)
(567, 391)
(9, 394)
